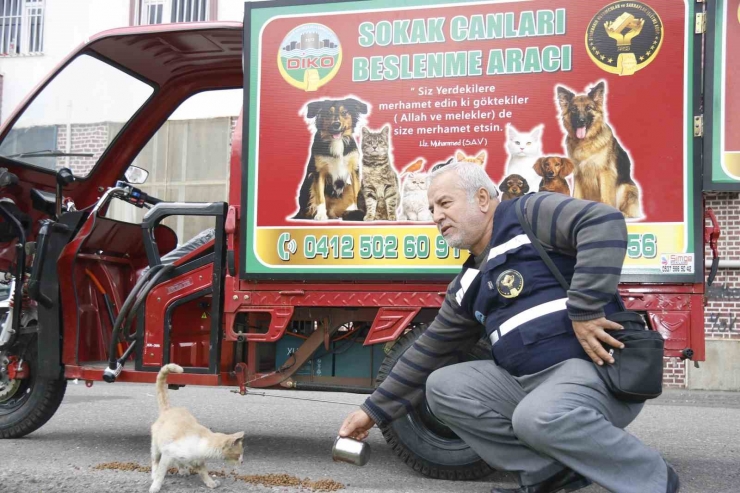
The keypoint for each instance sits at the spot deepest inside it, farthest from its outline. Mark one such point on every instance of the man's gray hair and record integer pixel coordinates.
(472, 178)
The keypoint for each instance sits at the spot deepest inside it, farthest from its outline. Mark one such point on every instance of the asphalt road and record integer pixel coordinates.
(698, 432)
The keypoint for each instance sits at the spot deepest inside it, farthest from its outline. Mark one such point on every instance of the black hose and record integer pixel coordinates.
(143, 294)
(122, 315)
(326, 387)
(126, 353)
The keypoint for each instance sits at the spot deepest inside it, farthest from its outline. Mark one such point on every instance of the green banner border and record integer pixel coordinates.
(718, 173)
(261, 15)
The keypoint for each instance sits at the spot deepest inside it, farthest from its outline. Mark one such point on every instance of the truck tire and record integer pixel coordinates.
(422, 441)
(26, 405)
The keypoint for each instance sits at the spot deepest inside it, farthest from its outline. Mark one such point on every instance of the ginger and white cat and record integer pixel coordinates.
(460, 157)
(414, 201)
(178, 440)
(524, 149)
(479, 159)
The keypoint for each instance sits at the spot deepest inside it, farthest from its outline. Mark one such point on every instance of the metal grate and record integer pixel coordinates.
(21, 27)
(189, 10)
(160, 11)
(34, 26)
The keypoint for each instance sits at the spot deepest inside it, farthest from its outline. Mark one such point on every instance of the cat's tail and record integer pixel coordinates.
(162, 399)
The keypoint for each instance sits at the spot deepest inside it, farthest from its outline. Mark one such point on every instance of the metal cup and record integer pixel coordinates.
(351, 451)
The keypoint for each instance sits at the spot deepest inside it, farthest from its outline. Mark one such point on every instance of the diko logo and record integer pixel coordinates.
(309, 56)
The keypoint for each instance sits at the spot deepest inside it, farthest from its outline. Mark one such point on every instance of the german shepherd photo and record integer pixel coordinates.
(332, 181)
(602, 167)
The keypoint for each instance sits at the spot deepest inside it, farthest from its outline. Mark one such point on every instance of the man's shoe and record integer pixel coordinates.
(673, 484)
(566, 480)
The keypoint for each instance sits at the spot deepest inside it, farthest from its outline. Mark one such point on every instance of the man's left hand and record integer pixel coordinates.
(591, 333)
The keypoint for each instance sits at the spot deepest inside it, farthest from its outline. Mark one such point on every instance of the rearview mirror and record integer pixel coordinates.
(135, 175)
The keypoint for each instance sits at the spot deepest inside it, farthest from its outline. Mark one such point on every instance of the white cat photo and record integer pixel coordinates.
(524, 148)
(414, 201)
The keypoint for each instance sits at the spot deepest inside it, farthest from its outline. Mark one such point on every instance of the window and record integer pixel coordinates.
(188, 159)
(164, 11)
(21, 27)
(73, 120)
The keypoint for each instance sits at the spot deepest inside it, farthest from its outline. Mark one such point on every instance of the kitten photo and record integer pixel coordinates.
(379, 180)
(414, 201)
(524, 149)
(178, 440)
(460, 157)
(480, 159)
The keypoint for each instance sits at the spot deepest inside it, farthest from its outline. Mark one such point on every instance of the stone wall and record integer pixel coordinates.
(86, 138)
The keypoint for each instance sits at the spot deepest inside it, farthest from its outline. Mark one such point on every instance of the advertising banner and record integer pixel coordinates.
(722, 169)
(350, 105)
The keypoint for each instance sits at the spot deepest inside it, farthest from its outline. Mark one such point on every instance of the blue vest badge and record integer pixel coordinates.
(510, 283)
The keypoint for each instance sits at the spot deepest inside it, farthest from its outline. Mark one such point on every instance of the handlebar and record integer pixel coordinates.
(135, 196)
(152, 200)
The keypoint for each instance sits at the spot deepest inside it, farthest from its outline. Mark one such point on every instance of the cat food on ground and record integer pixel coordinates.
(133, 467)
(122, 466)
(288, 480)
(283, 480)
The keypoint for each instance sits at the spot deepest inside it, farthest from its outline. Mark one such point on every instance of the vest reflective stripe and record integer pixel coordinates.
(513, 243)
(465, 282)
(527, 316)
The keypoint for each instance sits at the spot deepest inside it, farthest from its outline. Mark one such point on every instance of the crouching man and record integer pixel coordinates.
(538, 408)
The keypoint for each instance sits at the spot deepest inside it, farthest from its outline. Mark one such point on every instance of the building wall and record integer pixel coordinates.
(721, 370)
(187, 161)
(86, 138)
(721, 324)
(67, 24)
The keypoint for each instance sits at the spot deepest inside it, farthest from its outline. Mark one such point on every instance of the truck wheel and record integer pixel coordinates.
(422, 441)
(26, 405)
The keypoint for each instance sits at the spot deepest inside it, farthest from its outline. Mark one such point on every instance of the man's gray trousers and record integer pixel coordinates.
(538, 424)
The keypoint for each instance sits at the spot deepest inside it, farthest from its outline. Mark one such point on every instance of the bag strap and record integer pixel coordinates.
(543, 254)
(538, 245)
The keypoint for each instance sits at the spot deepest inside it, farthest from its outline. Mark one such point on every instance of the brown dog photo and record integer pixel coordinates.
(513, 186)
(602, 168)
(331, 184)
(553, 170)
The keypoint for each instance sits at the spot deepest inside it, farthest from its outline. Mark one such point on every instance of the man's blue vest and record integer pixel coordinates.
(520, 302)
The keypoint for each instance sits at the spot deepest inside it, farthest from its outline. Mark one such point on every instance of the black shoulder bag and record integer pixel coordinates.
(637, 372)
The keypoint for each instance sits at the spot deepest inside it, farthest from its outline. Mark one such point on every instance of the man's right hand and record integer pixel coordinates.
(592, 333)
(357, 425)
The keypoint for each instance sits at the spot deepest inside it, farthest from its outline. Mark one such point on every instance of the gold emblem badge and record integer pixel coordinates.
(510, 283)
(624, 37)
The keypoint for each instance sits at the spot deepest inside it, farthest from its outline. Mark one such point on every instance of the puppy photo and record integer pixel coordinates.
(332, 181)
(178, 440)
(513, 186)
(602, 168)
(553, 170)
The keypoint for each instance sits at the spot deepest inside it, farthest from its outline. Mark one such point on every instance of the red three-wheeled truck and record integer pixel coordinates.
(307, 278)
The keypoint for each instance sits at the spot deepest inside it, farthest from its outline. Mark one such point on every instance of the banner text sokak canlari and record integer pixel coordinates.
(439, 64)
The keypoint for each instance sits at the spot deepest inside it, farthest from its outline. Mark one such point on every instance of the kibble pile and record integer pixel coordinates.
(123, 466)
(263, 479)
(288, 480)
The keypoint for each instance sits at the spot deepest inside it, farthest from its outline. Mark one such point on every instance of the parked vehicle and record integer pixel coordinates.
(290, 292)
